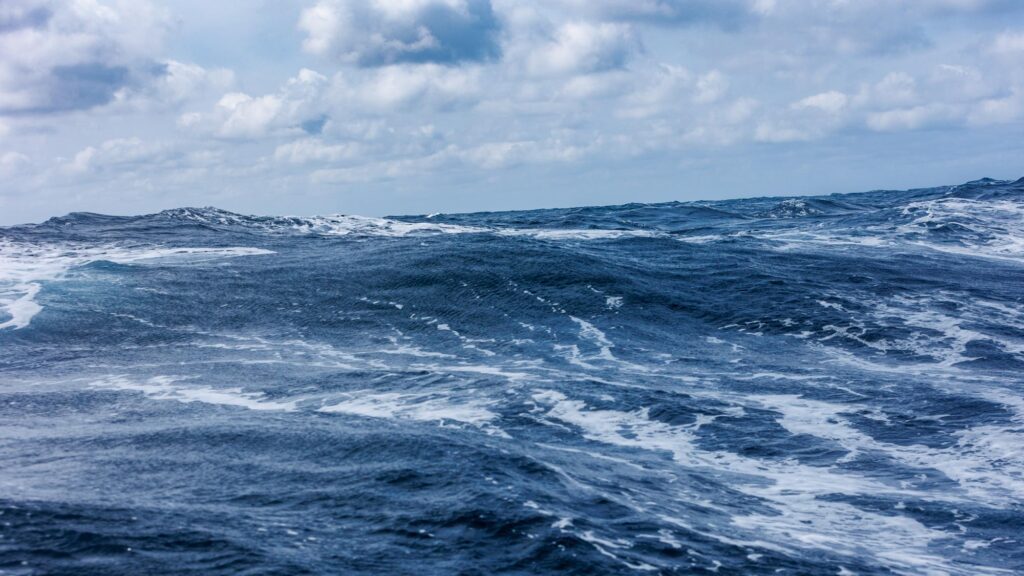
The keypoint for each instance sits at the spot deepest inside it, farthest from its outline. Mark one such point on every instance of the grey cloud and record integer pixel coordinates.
(84, 86)
(62, 55)
(12, 20)
(469, 36)
(73, 87)
(370, 35)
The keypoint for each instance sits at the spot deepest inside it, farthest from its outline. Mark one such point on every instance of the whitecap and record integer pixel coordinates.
(25, 267)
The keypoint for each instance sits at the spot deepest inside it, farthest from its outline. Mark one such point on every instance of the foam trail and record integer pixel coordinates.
(21, 307)
(23, 268)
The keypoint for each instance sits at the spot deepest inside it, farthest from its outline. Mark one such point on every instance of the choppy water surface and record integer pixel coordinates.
(826, 385)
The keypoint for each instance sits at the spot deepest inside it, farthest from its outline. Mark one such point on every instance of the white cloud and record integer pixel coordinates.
(380, 32)
(727, 13)
(1009, 43)
(773, 133)
(996, 111)
(308, 150)
(177, 82)
(897, 88)
(462, 89)
(493, 155)
(239, 115)
(912, 118)
(13, 163)
(832, 102)
(248, 117)
(399, 86)
(656, 92)
(118, 152)
(582, 48)
(711, 87)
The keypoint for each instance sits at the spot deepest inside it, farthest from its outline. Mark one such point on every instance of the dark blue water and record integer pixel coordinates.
(827, 385)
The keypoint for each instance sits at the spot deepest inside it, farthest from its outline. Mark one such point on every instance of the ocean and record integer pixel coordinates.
(815, 385)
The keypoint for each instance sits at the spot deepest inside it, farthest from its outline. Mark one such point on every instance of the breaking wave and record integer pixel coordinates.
(819, 385)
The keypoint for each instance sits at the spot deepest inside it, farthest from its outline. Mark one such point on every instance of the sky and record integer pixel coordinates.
(382, 107)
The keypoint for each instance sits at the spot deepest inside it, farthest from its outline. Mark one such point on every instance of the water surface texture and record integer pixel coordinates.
(822, 385)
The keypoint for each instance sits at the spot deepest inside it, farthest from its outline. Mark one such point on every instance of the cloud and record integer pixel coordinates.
(428, 86)
(99, 91)
(311, 103)
(66, 55)
(485, 156)
(724, 13)
(996, 111)
(118, 154)
(776, 134)
(495, 155)
(1009, 43)
(298, 104)
(309, 150)
(711, 87)
(381, 32)
(13, 163)
(18, 15)
(172, 82)
(913, 118)
(583, 48)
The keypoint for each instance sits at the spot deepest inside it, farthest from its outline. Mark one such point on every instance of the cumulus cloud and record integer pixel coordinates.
(581, 48)
(832, 102)
(308, 102)
(118, 154)
(381, 32)
(173, 82)
(64, 55)
(70, 55)
(394, 87)
(296, 106)
(12, 163)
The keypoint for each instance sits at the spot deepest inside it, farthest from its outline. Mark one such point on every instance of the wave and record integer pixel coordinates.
(24, 267)
(826, 384)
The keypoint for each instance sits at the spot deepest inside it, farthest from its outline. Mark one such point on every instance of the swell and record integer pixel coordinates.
(816, 385)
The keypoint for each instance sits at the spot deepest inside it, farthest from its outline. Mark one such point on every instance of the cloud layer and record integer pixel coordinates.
(457, 104)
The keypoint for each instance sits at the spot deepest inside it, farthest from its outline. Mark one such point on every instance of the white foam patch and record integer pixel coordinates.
(18, 302)
(348, 225)
(977, 229)
(578, 234)
(802, 519)
(172, 388)
(987, 463)
(24, 267)
(938, 325)
(330, 225)
(340, 225)
(595, 336)
(422, 407)
(998, 226)
(416, 406)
